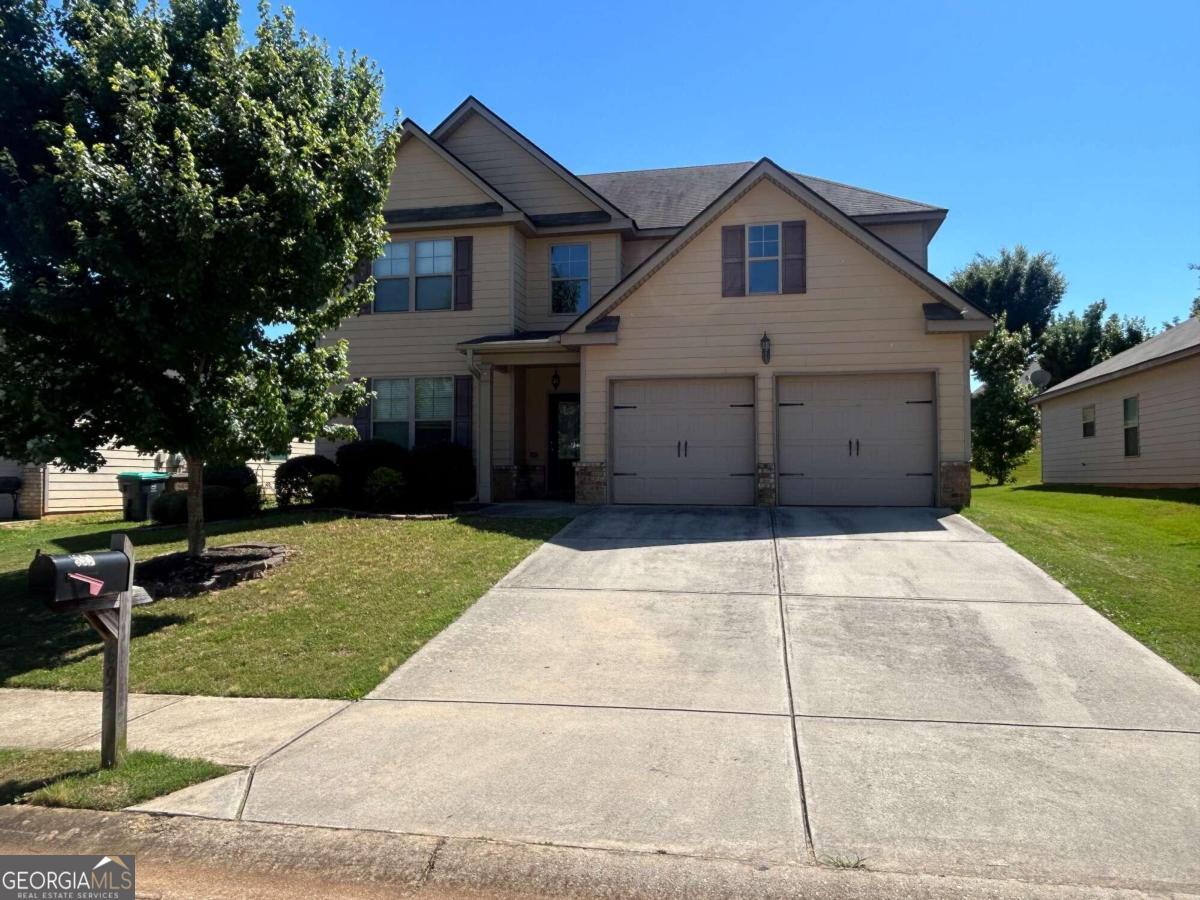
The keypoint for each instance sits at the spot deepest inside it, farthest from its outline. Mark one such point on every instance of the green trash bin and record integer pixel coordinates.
(138, 490)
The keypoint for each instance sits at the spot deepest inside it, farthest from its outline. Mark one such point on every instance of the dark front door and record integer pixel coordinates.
(564, 445)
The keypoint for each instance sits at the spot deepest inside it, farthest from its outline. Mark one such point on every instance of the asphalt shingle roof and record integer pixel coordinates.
(1184, 336)
(670, 198)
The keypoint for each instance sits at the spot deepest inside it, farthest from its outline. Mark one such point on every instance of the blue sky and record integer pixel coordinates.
(1071, 127)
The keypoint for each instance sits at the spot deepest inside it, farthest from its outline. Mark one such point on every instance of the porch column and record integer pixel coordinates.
(483, 452)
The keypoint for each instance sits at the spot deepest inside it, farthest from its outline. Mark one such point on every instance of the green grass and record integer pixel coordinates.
(74, 778)
(359, 598)
(1133, 555)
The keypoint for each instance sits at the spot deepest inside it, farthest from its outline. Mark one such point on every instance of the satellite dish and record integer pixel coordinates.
(1039, 377)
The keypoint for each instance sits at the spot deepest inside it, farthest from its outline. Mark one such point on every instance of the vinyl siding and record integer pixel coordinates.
(605, 263)
(502, 163)
(422, 178)
(423, 343)
(1169, 430)
(858, 315)
(518, 280)
(502, 416)
(634, 253)
(84, 491)
(907, 237)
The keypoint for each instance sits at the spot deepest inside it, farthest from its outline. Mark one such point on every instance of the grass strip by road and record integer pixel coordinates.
(1133, 555)
(73, 778)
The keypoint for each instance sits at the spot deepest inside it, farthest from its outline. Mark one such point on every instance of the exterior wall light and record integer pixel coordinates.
(765, 343)
(555, 381)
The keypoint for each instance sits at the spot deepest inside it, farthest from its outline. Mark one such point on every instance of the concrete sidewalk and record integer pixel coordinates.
(233, 731)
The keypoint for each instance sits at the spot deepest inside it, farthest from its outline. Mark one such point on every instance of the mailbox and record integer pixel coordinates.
(80, 581)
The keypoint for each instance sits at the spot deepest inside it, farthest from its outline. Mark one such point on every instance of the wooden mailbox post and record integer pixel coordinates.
(100, 586)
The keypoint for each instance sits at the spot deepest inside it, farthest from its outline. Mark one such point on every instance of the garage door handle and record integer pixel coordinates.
(677, 443)
(850, 446)
(685, 448)
(856, 446)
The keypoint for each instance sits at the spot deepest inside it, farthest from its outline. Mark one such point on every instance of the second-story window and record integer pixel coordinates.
(435, 263)
(391, 273)
(570, 278)
(762, 259)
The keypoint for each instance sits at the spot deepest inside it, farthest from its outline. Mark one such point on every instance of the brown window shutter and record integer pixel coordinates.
(463, 252)
(795, 256)
(362, 418)
(362, 272)
(464, 405)
(733, 261)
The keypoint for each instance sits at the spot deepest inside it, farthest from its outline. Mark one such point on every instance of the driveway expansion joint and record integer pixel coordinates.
(996, 724)
(598, 706)
(806, 825)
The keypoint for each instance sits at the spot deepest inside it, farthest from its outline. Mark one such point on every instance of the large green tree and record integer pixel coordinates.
(182, 211)
(1003, 424)
(1073, 342)
(1023, 287)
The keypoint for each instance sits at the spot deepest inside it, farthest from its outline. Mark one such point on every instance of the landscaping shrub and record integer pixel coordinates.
(386, 490)
(326, 490)
(439, 475)
(357, 460)
(169, 508)
(220, 502)
(238, 476)
(293, 478)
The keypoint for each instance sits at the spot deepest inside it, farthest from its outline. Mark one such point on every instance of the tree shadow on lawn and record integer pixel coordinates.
(35, 638)
(1174, 495)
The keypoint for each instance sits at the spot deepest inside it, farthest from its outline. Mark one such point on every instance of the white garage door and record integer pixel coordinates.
(856, 440)
(683, 440)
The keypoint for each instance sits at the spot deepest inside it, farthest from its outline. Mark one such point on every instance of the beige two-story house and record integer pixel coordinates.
(724, 334)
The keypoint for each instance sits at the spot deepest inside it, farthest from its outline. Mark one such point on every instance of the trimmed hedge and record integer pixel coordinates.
(386, 490)
(356, 461)
(326, 490)
(293, 478)
(220, 502)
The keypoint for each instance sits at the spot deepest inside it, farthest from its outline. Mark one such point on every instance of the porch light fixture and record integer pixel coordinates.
(555, 381)
(765, 343)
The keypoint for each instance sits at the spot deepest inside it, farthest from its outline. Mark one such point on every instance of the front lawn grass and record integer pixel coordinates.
(1133, 555)
(359, 597)
(74, 778)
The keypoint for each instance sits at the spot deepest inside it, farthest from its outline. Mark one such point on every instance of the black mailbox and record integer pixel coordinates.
(80, 581)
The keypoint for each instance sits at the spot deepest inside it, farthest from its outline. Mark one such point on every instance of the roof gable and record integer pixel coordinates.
(514, 164)
(765, 169)
(670, 198)
(439, 178)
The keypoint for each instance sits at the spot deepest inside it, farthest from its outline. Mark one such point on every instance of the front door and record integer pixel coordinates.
(564, 445)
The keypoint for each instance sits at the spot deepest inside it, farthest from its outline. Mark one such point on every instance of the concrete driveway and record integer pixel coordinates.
(776, 687)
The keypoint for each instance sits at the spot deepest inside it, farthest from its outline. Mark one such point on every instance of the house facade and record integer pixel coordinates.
(729, 334)
(51, 490)
(1132, 420)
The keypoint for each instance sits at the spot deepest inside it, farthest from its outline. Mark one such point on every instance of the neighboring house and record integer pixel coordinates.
(48, 490)
(1131, 420)
(727, 334)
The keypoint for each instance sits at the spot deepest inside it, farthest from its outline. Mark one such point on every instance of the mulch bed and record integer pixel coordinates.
(180, 575)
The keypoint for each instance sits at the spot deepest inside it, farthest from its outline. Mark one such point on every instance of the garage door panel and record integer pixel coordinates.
(856, 440)
(686, 440)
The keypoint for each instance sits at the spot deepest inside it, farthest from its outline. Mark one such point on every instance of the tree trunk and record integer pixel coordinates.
(195, 506)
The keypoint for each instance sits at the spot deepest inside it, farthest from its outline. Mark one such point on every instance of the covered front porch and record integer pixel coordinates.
(529, 416)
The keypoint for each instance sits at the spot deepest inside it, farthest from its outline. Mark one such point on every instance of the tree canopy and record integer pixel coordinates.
(1003, 424)
(182, 212)
(1025, 288)
(1073, 342)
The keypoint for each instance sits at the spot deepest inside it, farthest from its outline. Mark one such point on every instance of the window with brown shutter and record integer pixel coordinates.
(464, 251)
(795, 256)
(733, 261)
(362, 417)
(464, 406)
